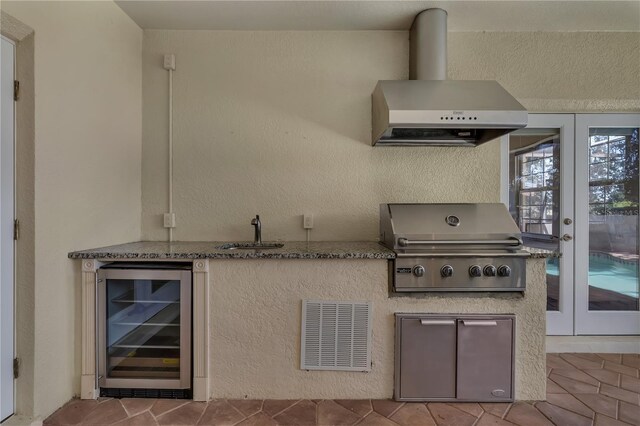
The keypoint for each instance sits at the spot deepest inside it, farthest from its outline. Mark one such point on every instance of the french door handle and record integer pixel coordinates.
(567, 237)
(567, 221)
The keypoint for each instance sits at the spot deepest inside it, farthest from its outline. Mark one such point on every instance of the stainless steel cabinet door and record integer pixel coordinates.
(427, 358)
(485, 352)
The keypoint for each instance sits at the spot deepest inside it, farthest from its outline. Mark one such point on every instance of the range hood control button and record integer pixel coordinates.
(475, 271)
(489, 271)
(446, 271)
(418, 271)
(504, 271)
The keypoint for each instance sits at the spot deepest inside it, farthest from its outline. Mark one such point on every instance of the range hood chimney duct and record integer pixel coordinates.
(428, 109)
(428, 46)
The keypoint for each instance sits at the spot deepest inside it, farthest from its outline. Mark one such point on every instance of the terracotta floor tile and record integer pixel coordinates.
(187, 415)
(629, 413)
(581, 362)
(575, 374)
(220, 412)
(301, 414)
(571, 403)
(621, 394)
(135, 406)
(491, 420)
(560, 416)
(163, 405)
(605, 376)
(106, 413)
(331, 413)
(608, 421)
(71, 413)
(385, 407)
(522, 413)
(599, 403)
(247, 407)
(472, 408)
(573, 386)
(446, 415)
(275, 406)
(361, 407)
(587, 356)
(631, 360)
(554, 361)
(375, 419)
(144, 419)
(498, 409)
(630, 383)
(259, 419)
(554, 388)
(623, 369)
(611, 357)
(413, 414)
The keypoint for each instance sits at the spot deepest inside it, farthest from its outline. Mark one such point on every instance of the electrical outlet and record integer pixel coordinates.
(169, 62)
(169, 220)
(307, 221)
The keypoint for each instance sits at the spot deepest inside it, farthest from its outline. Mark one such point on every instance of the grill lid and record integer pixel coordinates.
(417, 226)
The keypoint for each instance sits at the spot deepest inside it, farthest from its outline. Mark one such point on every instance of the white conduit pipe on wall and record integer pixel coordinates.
(170, 65)
(171, 151)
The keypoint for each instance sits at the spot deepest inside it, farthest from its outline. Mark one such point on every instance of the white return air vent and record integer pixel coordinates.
(336, 335)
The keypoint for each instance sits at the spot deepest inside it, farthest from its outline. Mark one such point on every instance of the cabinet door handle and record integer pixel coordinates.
(437, 322)
(479, 323)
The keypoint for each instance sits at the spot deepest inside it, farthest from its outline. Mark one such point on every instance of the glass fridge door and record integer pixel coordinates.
(146, 329)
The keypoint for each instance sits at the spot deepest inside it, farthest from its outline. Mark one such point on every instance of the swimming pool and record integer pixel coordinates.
(607, 273)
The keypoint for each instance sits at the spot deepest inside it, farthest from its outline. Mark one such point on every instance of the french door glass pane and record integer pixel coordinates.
(143, 328)
(534, 196)
(613, 219)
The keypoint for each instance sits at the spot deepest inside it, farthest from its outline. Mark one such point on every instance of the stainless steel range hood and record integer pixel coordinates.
(429, 110)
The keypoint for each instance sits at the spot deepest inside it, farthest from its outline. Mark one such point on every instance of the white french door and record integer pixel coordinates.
(574, 188)
(541, 202)
(607, 196)
(7, 64)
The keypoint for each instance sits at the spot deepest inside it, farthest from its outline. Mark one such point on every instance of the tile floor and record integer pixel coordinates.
(582, 389)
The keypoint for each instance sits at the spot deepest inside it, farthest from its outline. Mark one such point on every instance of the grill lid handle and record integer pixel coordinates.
(512, 241)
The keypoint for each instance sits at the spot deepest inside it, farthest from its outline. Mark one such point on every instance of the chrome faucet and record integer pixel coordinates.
(258, 228)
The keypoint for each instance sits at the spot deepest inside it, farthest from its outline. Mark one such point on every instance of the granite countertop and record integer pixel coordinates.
(291, 250)
(210, 250)
(542, 253)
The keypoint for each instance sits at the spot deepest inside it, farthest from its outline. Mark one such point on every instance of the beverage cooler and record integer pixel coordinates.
(144, 330)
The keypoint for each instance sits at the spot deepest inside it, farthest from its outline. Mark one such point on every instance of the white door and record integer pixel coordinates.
(606, 238)
(7, 61)
(541, 202)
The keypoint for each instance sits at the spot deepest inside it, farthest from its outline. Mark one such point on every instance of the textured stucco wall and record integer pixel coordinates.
(278, 123)
(255, 326)
(87, 184)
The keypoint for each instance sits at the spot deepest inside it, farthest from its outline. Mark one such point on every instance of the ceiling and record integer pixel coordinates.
(464, 15)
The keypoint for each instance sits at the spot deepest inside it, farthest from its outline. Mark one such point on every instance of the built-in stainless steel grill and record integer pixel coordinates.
(453, 247)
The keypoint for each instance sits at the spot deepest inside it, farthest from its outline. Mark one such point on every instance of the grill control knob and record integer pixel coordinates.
(446, 271)
(489, 271)
(475, 271)
(418, 271)
(504, 271)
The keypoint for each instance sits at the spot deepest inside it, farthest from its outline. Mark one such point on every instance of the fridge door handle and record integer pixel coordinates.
(437, 322)
(475, 323)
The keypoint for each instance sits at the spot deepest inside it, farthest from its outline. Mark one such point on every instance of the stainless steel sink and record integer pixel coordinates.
(250, 246)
